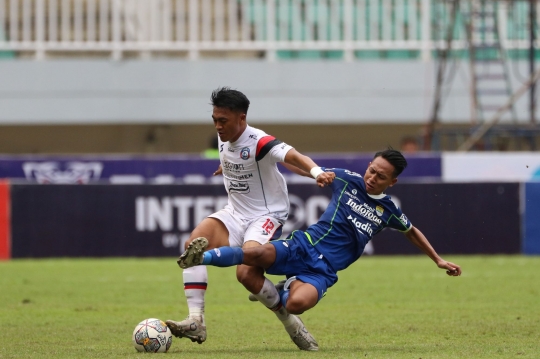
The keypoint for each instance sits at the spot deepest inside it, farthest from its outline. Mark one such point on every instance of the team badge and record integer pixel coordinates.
(379, 210)
(244, 153)
(354, 191)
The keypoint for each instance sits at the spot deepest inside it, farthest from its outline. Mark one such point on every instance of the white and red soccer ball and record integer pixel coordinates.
(152, 336)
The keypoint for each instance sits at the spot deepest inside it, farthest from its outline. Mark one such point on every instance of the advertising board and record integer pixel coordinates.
(172, 169)
(149, 220)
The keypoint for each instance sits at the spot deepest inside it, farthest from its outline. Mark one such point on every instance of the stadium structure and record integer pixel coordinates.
(128, 73)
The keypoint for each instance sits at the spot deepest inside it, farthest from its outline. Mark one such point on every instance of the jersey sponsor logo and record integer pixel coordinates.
(353, 173)
(364, 210)
(379, 210)
(240, 177)
(403, 219)
(352, 195)
(253, 137)
(238, 187)
(366, 227)
(244, 153)
(234, 167)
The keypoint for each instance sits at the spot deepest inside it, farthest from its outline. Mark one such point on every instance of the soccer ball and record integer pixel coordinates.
(152, 335)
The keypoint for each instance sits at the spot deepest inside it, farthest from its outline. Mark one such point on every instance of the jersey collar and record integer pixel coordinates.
(377, 196)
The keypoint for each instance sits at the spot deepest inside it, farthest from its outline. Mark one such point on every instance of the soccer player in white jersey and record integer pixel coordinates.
(257, 208)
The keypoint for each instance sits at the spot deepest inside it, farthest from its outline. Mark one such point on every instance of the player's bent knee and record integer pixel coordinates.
(296, 307)
(303, 296)
(299, 304)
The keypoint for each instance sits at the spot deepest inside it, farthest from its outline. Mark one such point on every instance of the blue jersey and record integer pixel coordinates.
(351, 219)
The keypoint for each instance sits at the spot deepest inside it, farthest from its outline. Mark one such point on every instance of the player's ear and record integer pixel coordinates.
(243, 117)
(394, 180)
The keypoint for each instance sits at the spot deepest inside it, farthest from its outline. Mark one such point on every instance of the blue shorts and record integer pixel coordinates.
(295, 256)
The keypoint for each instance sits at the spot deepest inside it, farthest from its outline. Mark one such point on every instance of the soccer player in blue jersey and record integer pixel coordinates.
(310, 260)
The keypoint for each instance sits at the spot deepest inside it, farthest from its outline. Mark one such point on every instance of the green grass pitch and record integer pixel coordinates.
(382, 307)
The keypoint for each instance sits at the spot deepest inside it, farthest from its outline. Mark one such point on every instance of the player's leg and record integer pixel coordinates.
(307, 288)
(216, 231)
(196, 254)
(259, 231)
(301, 297)
(264, 291)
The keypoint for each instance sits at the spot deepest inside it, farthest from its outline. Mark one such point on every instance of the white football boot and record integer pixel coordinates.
(300, 335)
(191, 327)
(297, 331)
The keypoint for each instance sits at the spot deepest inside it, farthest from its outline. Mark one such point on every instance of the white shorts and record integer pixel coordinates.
(259, 229)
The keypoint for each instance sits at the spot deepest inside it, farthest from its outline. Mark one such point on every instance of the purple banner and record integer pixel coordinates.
(146, 220)
(457, 218)
(177, 169)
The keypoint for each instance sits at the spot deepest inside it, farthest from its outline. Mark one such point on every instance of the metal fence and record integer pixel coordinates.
(348, 29)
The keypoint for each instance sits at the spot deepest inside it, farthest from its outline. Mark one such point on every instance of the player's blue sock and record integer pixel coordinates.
(284, 295)
(223, 257)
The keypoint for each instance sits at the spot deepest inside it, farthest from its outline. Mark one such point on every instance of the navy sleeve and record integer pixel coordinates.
(398, 220)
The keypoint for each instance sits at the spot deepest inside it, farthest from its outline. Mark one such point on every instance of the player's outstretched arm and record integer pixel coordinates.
(296, 170)
(306, 165)
(418, 239)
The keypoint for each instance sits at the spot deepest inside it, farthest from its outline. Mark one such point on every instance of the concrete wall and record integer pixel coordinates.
(162, 106)
(177, 91)
(192, 138)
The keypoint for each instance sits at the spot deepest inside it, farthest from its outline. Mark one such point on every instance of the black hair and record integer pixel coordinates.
(234, 100)
(395, 158)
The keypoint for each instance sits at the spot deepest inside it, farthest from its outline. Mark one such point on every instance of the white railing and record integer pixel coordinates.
(266, 26)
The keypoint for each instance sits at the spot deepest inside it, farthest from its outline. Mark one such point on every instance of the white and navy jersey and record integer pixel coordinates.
(351, 219)
(251, 177)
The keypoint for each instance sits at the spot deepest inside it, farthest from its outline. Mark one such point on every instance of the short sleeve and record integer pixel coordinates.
(398, 220)
(271, 147)
(341, 180)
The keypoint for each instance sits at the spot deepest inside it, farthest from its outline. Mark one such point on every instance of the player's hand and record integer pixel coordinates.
(325, 179)
(452, 269)
(218, 172)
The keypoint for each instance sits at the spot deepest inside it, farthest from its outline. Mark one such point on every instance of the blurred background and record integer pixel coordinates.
(109, 101)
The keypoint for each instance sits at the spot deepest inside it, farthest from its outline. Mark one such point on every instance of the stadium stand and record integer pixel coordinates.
(286, 31)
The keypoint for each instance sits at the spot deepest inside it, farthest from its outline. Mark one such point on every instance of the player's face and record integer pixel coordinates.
(229, 124)
(379, 176)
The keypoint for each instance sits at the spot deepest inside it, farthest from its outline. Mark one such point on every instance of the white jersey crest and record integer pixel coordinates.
(251, 177)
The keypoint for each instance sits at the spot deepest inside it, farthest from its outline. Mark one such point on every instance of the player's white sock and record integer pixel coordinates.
(195, 283)
(269, 296)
